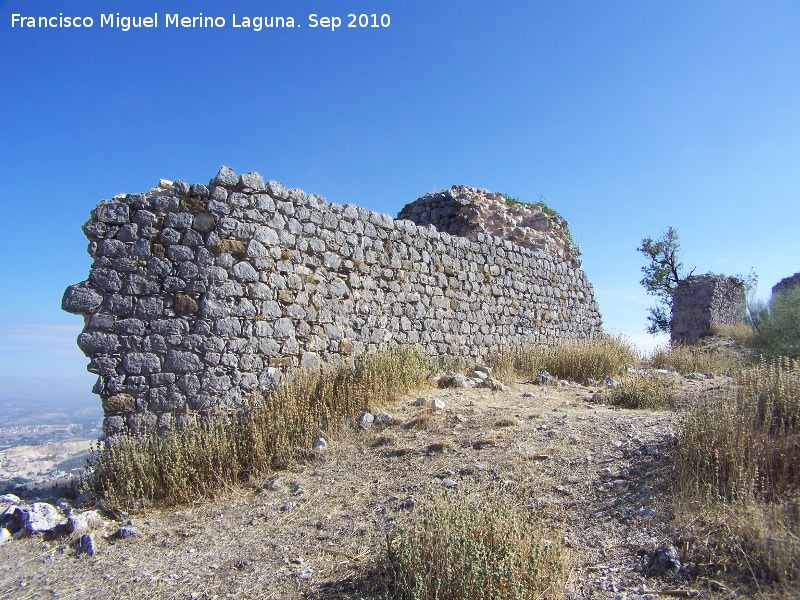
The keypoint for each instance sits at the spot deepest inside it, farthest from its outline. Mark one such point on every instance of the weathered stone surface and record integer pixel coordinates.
(98, 342)
(149, 308)
(383, 419)
(106, 279)
(702, 301)
(230, 246)
(466, 211)
(140, 423)
(40, 517)
(226, 177)
(366, 420)
(119, 403)
(244, 271)
(141, 363)
(85, 544)
(252, 181)
(185, 305)
(81, 299)
(204, 222)
(665, 559)
(182, 362)
(113, 213)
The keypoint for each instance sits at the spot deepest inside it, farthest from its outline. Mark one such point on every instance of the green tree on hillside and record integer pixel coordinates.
(662, 275)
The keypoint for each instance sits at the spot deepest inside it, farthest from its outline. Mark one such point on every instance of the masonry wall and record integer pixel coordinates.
(786, 284)
(702, 301)
(200, 296)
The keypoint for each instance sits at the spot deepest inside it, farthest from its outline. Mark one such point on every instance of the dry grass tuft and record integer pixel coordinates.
(643, 391)
(506, 422)
(437, 447)
(384, 440)
(422, 420)
(743, 444)
(201, 461)
(475, 549)
(696, 359)
(574, 360)
(740, 333)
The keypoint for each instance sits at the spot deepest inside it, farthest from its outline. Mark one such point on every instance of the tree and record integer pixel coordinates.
(661, 276)
(777, 326)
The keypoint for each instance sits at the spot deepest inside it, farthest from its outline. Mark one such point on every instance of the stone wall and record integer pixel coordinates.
(786, 283)
(702, 301)
(199, 296)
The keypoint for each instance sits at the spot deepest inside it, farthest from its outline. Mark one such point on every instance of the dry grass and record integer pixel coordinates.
(222, 452)
(740, 333)
(754, 543)
(739, 458)
(475, 548)
(696, 359)
(574, 360)
(743, 445)
(422, 420)
(643, 391)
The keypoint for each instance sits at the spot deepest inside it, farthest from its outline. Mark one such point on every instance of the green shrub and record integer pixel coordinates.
(777, 326)
(464, 549)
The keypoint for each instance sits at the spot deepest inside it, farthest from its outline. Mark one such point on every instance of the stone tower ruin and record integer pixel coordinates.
(703, 301)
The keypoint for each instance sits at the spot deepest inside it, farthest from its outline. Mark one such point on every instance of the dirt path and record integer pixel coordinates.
(599, 477)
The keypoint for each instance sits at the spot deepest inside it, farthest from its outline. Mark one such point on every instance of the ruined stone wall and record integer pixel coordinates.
(701, 301)
(466, 211)
(786, 284)
(199, 295)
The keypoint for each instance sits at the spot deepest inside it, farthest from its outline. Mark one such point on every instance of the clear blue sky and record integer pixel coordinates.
(627, 116)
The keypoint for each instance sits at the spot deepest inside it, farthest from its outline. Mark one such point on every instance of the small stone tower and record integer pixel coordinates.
(702, 301)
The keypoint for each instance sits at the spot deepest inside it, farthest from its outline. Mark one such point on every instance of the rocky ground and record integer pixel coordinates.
(600, 477)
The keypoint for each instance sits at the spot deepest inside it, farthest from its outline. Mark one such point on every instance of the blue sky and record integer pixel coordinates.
(627, 117)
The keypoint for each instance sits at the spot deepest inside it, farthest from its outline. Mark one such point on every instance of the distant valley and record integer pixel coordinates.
(46, 421)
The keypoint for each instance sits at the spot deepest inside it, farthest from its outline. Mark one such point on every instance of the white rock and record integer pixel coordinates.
(5, 536)
(319, 445)
(9, 499)
(365, 420)
(41, 517)
(437, 404)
